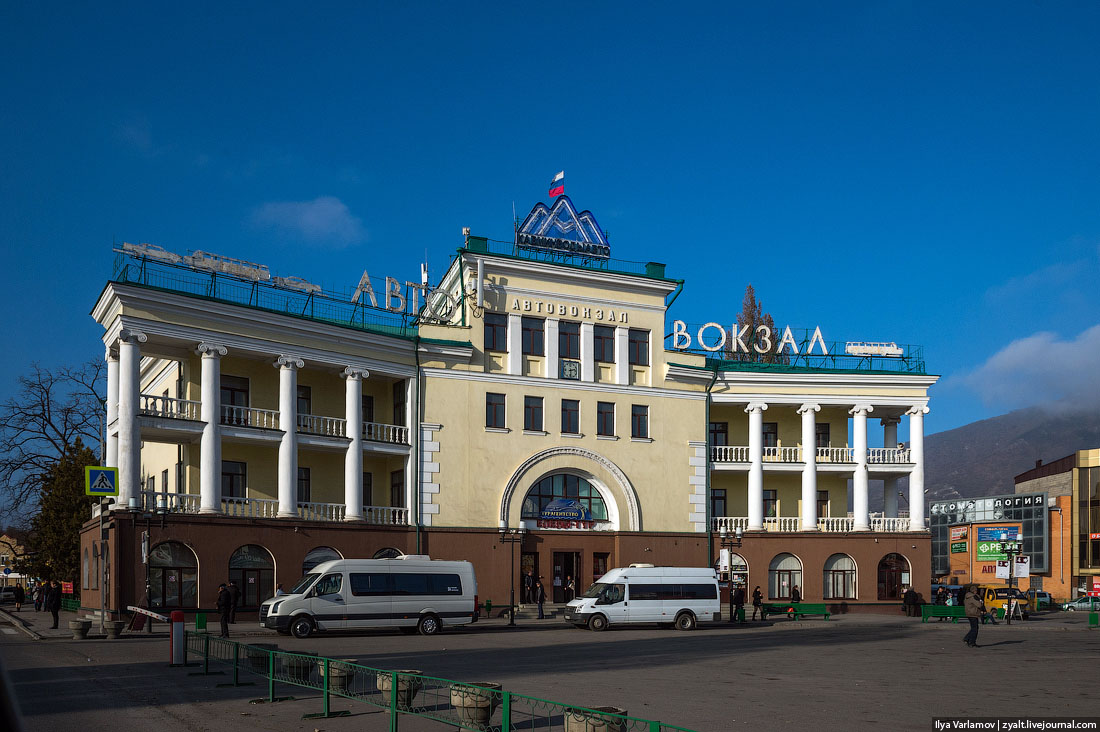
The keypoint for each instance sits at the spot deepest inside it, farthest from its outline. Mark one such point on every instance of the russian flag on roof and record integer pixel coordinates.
(557, 186)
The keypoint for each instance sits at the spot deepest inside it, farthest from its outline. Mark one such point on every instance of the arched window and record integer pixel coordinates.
(318, 555)
(567, 487)
(95, 567)
(87, 570)
(893, 575)
(252, 568)
(739, 570)
(173, 576)
(839, 580)
(387, 553)
(784, 574)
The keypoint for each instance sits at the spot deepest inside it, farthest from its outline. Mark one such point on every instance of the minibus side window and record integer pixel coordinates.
(329, 585)
(612, 595)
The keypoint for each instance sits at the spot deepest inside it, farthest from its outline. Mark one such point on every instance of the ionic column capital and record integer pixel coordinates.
(287, 361)
(890, 421)
(861, 410)
(809, 407)
(921, 409)
(207, 349)
(111, 353)
(756, 407)
(130, 335)
(354, 372)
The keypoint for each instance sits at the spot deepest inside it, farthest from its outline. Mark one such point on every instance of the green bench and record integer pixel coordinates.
(795, 610)
(951, 611)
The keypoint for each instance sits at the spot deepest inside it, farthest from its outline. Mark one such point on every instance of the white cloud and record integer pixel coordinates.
(325, 220)
(1041, 370)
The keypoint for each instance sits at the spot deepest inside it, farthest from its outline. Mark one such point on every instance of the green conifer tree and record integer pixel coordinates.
(54, 543)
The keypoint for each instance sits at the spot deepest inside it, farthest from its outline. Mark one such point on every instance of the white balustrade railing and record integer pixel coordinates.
(317, 425)
(170, 502)
(835, 524)
(378, 432)
(729, 454)
(835, 455)
(386, 515)
(890, 524)
(730, 524)
(162, 406)
(250, 507)
(782, 523)
(321, 511)
(888, 455)
(250, 417)
(782, 454)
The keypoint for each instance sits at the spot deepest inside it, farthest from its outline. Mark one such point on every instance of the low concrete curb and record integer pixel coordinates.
(18, 623)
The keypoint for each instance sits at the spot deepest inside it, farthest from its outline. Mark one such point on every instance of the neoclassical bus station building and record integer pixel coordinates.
(526, 413)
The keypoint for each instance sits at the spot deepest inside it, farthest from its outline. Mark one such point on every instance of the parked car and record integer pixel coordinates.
(1040, 600)
(1082, 603)
(7, 595)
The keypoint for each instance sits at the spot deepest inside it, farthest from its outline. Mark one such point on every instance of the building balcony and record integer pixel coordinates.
(828, 524)
(738, 455)
(269, 508)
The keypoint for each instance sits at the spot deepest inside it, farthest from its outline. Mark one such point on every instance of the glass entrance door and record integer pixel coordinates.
(567, 566)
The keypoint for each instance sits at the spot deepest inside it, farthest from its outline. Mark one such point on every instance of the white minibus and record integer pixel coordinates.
(412, 592)
(677, 597)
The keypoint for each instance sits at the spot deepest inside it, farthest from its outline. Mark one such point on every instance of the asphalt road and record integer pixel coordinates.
(854, 672)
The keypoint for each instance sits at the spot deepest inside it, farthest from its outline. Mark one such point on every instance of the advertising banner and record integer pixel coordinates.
(989, 542)
(1023, 567)
(958, 533)
(1002, 569)
(958, 547)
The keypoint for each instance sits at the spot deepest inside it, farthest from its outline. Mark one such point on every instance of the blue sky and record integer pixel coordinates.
(919, 172)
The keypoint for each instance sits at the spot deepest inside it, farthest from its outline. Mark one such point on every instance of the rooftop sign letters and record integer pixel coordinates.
(714, 337)
(561, 229)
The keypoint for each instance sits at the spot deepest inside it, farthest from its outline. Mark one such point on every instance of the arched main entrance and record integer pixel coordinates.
(173, 576)
(253, 569)
(893, 575)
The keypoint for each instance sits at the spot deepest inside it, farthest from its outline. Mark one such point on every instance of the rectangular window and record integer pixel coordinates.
(368, 408)
(823, 504)
(164, 481)
(399, 403)
(234, 397)
(305, 400)
(637, 345)
(532, 413)
(718, 502)
(570, 417)
(603, 344)
(494, 410)
(234, 479)
(151, 484)
(407, 583)
(532, 336)
(179, 478)
(369, 584)
(397, 489)
(605, 419)
(599, 564)
(771, 501)
(303, 485)
(771, 434)
(639, 420)
(821, 434)
(569, 339)
(496, 332)
(719, 433)
(368, 489)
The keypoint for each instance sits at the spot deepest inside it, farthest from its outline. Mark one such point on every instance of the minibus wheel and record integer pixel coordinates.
(685, 621)
(429, 625)
(302, 626)
(597, 622)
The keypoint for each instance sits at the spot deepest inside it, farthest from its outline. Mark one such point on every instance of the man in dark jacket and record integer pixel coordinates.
(796, 595)
(529, 587)
(225, 607)
(53, 600)
(235, 599)
(909, 599)
(738, 602)
(975, 608)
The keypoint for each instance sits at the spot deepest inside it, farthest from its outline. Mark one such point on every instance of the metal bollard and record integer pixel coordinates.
(177, 640)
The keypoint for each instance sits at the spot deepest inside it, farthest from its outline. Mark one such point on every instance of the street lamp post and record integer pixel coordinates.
(512, 537)
(730, 543)
(1012, 548)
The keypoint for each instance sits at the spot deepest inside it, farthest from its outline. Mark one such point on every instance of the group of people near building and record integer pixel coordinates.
(46, 596)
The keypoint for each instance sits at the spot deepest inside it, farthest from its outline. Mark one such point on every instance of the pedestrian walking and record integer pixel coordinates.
(975, 608)
(570, 588)
(529, 587)
(796, 594)
(540, 596)
(53, 601)
(39, 596)
(225, 608)
(757, 603)
(738, 601)
(20, 596)
(235, 599)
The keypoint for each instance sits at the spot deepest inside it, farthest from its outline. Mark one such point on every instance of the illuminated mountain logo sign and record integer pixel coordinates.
(561, 229)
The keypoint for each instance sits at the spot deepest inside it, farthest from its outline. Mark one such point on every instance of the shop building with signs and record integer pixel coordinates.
(261, 425)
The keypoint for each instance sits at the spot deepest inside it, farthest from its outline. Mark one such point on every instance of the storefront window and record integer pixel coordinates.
(253, 570)
(173, 576)
(784, 574)
(839, 582)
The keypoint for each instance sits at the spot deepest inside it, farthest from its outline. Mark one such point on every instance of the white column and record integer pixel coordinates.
(588, 365)
(916, 478)
(353, 459)
(756, 465)
(860, 502)
(129, 432)
(515, 346)
(552, 368)
(809, 466)
(288, 421)
(412, 419)
(210, 445)
(111, 456)
(890, 485)
(622, 355)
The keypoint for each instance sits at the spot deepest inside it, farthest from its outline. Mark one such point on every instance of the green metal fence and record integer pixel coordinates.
(462, 704)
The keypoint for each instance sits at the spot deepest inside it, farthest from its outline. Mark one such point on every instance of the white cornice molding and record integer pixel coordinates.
(557, 297)
(447, 349)
(802, 378)
(565, 384)
(571, 276)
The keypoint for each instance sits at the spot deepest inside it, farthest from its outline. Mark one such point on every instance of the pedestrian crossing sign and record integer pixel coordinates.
(100, 481)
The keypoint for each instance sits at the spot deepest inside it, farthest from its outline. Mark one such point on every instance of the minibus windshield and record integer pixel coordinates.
(596, 589)
(304, 583)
